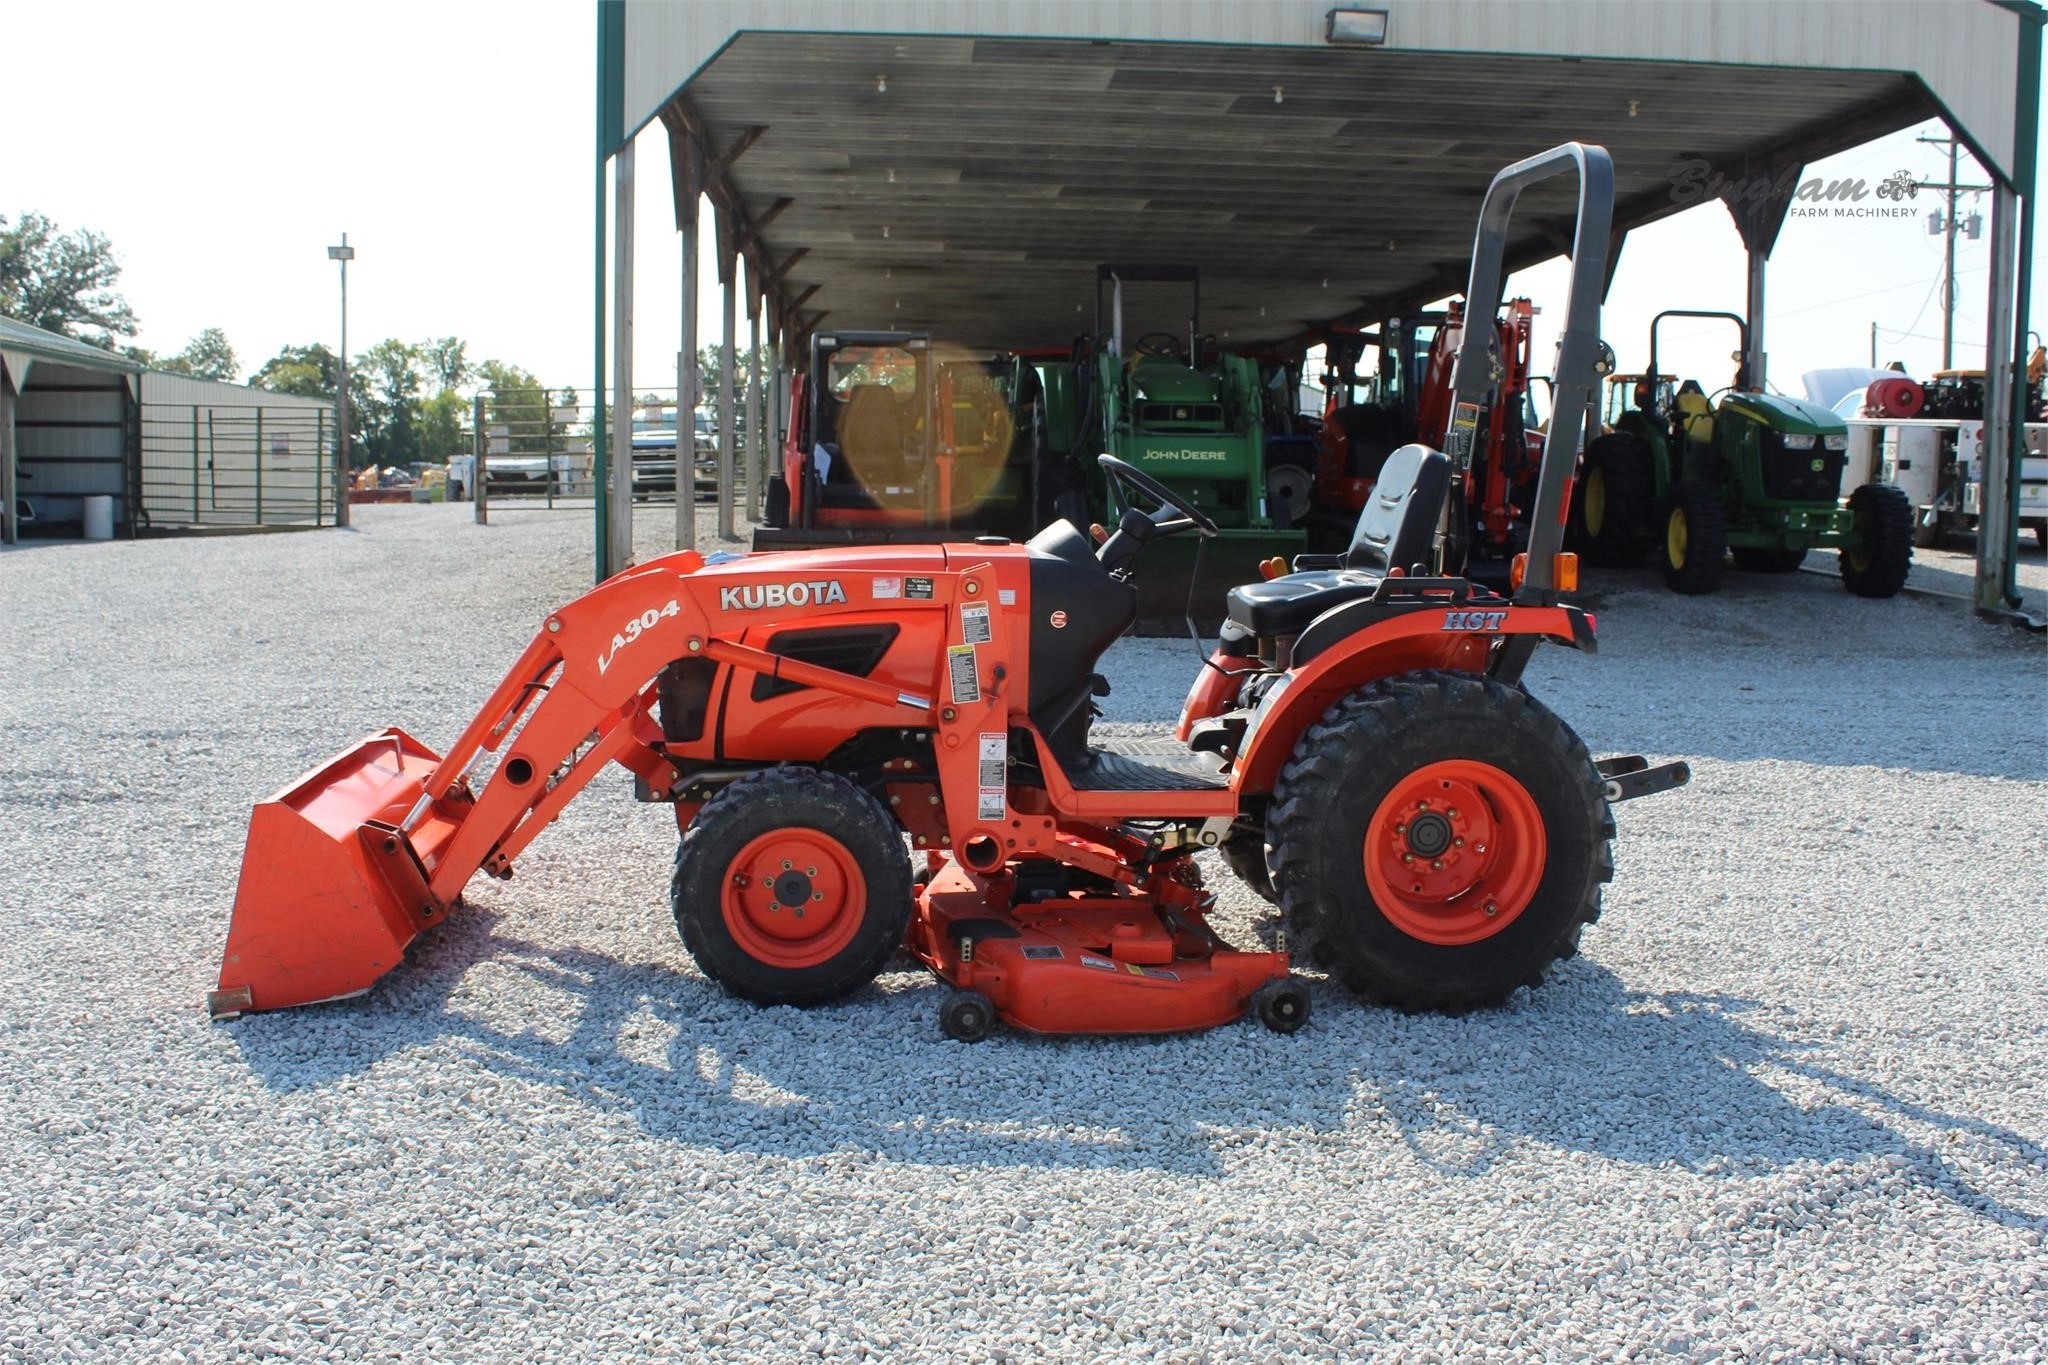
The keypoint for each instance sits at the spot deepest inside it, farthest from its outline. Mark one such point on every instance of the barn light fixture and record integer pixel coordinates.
(1361, 27)
(1279, 94)
(881, 85)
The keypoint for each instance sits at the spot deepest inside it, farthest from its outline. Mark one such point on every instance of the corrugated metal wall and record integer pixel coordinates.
(1966, 51)
(73, 438)
(218, 454)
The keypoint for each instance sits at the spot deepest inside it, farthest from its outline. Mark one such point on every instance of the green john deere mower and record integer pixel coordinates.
(1700, 478)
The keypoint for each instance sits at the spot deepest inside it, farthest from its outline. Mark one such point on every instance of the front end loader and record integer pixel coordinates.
(884, 749)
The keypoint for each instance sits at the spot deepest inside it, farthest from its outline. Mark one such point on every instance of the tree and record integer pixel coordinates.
(308, 371)
(446, 362)
(515, 400)
(62, 281)
(311, 372)
(206, 356)
(391, 420)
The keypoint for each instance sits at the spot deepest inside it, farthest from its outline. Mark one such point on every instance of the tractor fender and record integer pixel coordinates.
(1360, 647)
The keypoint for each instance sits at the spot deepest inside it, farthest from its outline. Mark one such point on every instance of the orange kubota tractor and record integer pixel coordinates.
(1359, 745)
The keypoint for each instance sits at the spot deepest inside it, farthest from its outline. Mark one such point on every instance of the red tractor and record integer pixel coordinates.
(887, 747)
(1412, 401)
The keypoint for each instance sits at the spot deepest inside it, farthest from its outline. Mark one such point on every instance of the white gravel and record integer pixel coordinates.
(1789, 1102)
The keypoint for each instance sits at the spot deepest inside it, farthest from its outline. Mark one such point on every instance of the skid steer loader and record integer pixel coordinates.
(1359, 746)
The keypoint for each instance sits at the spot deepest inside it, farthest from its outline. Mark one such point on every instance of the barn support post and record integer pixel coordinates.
(728, 362)
(10, 532)
(1995, 592)
(755, 463)
(617, 492)
(686, 163)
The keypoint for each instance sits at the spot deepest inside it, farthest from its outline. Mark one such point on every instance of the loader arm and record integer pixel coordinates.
(347, 865)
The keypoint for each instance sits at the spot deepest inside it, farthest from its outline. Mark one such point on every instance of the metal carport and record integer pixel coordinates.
(963, 168)
(68, 425)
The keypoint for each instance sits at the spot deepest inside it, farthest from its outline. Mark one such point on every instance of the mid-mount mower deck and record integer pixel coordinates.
(1359, 747)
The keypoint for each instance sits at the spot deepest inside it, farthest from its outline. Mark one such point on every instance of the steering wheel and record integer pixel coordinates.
(1164, 344)
(1130, 479)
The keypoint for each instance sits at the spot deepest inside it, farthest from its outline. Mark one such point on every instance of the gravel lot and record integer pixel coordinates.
(1789, 1102)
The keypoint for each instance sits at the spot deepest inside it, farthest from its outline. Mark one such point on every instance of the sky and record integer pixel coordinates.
(223, 146)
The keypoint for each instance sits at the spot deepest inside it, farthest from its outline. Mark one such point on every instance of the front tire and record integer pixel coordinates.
(1439, 840)
(792, 887)
(1695, 539)
(1881, 553)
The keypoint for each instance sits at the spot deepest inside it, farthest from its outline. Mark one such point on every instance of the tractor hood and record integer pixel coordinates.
(1784, 414)
(1165, 381)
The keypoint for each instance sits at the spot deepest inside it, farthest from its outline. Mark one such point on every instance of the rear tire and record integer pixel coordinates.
(1767, 559)
(1695, 530)
(792, 887)
(1883, 554)
(1380, 754)
(1611, 520)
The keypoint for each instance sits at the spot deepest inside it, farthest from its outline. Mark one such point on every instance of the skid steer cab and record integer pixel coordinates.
(884, 748)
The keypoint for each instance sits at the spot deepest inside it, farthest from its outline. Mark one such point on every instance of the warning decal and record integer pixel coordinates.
(965, 677)
(1007, 596)
(995, 751)
(1466, 417)
(1100, 964)
(888, 587)
(917, 587)
(991, 779)
(974, 627)
(1043, 951)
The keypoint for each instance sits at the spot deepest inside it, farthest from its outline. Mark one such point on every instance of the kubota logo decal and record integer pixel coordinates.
(1474, 620)
(755, 596)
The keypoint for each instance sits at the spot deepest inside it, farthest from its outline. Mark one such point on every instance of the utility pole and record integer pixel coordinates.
(1946, 225)
(343, 253)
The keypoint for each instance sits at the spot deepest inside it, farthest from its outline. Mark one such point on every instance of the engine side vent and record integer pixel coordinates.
(844, 649)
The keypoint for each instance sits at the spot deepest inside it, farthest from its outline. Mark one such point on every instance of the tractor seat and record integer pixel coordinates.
(1395, 529)
(1696, 415)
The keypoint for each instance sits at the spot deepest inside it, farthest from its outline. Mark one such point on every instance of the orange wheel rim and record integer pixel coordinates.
(793, 898)
(1455, 852)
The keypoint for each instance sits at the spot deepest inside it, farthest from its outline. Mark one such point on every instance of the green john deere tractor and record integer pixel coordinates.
(1193, 418)
(1756, 476)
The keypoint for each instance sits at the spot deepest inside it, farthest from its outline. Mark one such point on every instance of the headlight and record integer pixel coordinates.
(1838, 442)
(1795, 441)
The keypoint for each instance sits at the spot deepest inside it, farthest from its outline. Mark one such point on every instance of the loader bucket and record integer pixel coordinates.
(331, 889)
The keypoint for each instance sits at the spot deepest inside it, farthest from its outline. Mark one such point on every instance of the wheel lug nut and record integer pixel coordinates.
(787, 864)
(817, 895)
(1400, 829)
(1492, 909)
(1407, 858)
(1436, 864)
(774, 906)
(1458, 842)
(1452, 812)
(1479, 848)
(810, 872)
